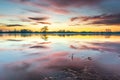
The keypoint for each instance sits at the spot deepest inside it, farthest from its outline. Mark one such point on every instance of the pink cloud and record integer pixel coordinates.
(73, 3)
(43, 4)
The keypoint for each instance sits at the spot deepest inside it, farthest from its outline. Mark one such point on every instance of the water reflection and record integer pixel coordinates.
(59, 57)
(45, 36)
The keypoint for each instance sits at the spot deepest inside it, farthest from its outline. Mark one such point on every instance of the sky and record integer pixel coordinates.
(72, 15)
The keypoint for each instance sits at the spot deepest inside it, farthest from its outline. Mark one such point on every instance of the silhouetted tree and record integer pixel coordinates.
(44, 29)
(0, 31)
(25, 31)
(108, 30)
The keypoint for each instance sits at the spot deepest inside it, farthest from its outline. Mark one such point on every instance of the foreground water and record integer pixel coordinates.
(59, 57)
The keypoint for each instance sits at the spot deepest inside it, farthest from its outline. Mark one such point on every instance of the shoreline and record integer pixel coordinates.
(65, 33)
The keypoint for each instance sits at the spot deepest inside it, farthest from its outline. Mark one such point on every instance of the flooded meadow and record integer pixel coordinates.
(59, 57)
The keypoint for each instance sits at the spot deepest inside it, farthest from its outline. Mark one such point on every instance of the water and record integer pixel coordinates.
(59, 57)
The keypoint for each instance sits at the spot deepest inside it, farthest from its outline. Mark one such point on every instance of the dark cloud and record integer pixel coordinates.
(67, 6)
(105, 6)
(40, 46)
(64, 6)
(73, 3)
(25, 20)
(74, 18)
(38, 18)
(13, 25)
(59, 6)
(111, 19)
(115, 21)
(61, 3)
(59, 11)
(45, 23)
(14, 40)
(33, 11)
(21, 1)
(24, 0)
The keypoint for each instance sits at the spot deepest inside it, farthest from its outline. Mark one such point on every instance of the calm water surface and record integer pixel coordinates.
(59, 57)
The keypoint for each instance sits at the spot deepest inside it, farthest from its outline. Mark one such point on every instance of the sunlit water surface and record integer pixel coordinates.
(47, 57)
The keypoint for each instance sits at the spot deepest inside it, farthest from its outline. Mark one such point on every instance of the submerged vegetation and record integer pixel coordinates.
(75, 74)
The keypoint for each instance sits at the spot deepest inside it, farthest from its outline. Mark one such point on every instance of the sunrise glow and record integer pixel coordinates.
(69, 15)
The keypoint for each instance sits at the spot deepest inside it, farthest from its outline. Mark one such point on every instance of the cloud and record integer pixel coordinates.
(45, 23)
(59, 11)
(58, 6)
(25, 20)
(38, 18)
(68, 6)
(43, 5)
(33, 11)
(22, 1)
(13, 25)
(40, 46)
(104, 19)
(14, 40)
(73, 3)
(115, 21)
(103, 6)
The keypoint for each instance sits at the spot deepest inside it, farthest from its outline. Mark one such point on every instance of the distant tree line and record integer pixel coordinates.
(46, 30)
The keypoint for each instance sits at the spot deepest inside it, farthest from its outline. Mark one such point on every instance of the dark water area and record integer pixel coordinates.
(59, 57)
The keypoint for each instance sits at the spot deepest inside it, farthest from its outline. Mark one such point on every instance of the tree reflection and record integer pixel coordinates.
(44, 37)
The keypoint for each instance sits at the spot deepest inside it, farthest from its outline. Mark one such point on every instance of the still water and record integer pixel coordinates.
(59, 57)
